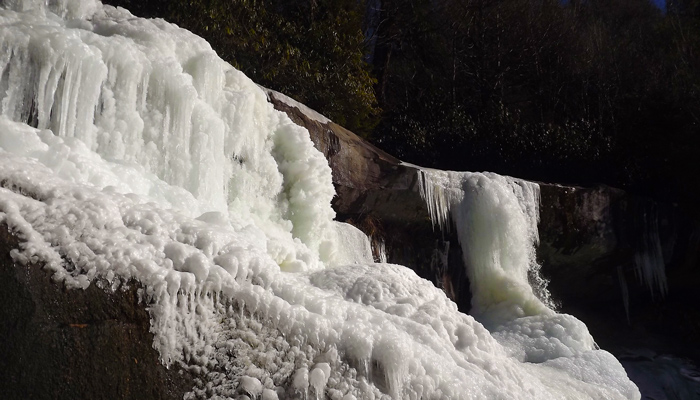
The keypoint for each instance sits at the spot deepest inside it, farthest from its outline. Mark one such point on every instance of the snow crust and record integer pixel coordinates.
(131, 154)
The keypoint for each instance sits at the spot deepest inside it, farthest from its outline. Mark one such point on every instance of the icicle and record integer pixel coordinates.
(439, 258)
(625, 291)
(379, 250)
(436, 199)
(300, 382)
(318, 377)
(650, 267)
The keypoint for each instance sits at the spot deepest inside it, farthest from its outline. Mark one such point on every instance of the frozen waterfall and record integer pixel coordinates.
(130, 150)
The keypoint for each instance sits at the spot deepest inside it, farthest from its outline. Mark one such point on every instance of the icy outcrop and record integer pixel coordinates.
(129, 150)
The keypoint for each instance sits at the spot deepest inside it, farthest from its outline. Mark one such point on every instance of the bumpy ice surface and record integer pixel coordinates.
(130, 152)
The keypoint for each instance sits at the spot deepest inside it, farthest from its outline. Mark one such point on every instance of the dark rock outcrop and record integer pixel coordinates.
(594, 244)
(75, 344)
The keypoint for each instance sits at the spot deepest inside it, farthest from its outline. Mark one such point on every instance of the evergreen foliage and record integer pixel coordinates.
(578, 91)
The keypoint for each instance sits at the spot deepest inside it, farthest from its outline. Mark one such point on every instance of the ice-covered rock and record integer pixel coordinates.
(130, 152)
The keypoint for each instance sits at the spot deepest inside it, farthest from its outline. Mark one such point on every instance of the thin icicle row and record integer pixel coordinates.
(436, 199)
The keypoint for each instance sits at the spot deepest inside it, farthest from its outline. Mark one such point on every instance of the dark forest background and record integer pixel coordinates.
(578, 91)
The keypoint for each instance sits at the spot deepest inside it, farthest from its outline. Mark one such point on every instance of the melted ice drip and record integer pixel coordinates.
(130, 152)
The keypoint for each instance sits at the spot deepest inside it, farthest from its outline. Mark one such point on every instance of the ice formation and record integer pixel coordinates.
(650, 267)
(130, 152)
(496, 220)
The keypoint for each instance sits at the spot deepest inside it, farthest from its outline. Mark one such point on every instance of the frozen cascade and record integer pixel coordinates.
(130, 151)
(496, 219)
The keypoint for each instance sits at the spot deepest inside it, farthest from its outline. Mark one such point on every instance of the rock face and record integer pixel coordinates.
(77, 344)
(598, 243)
(595, 243)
